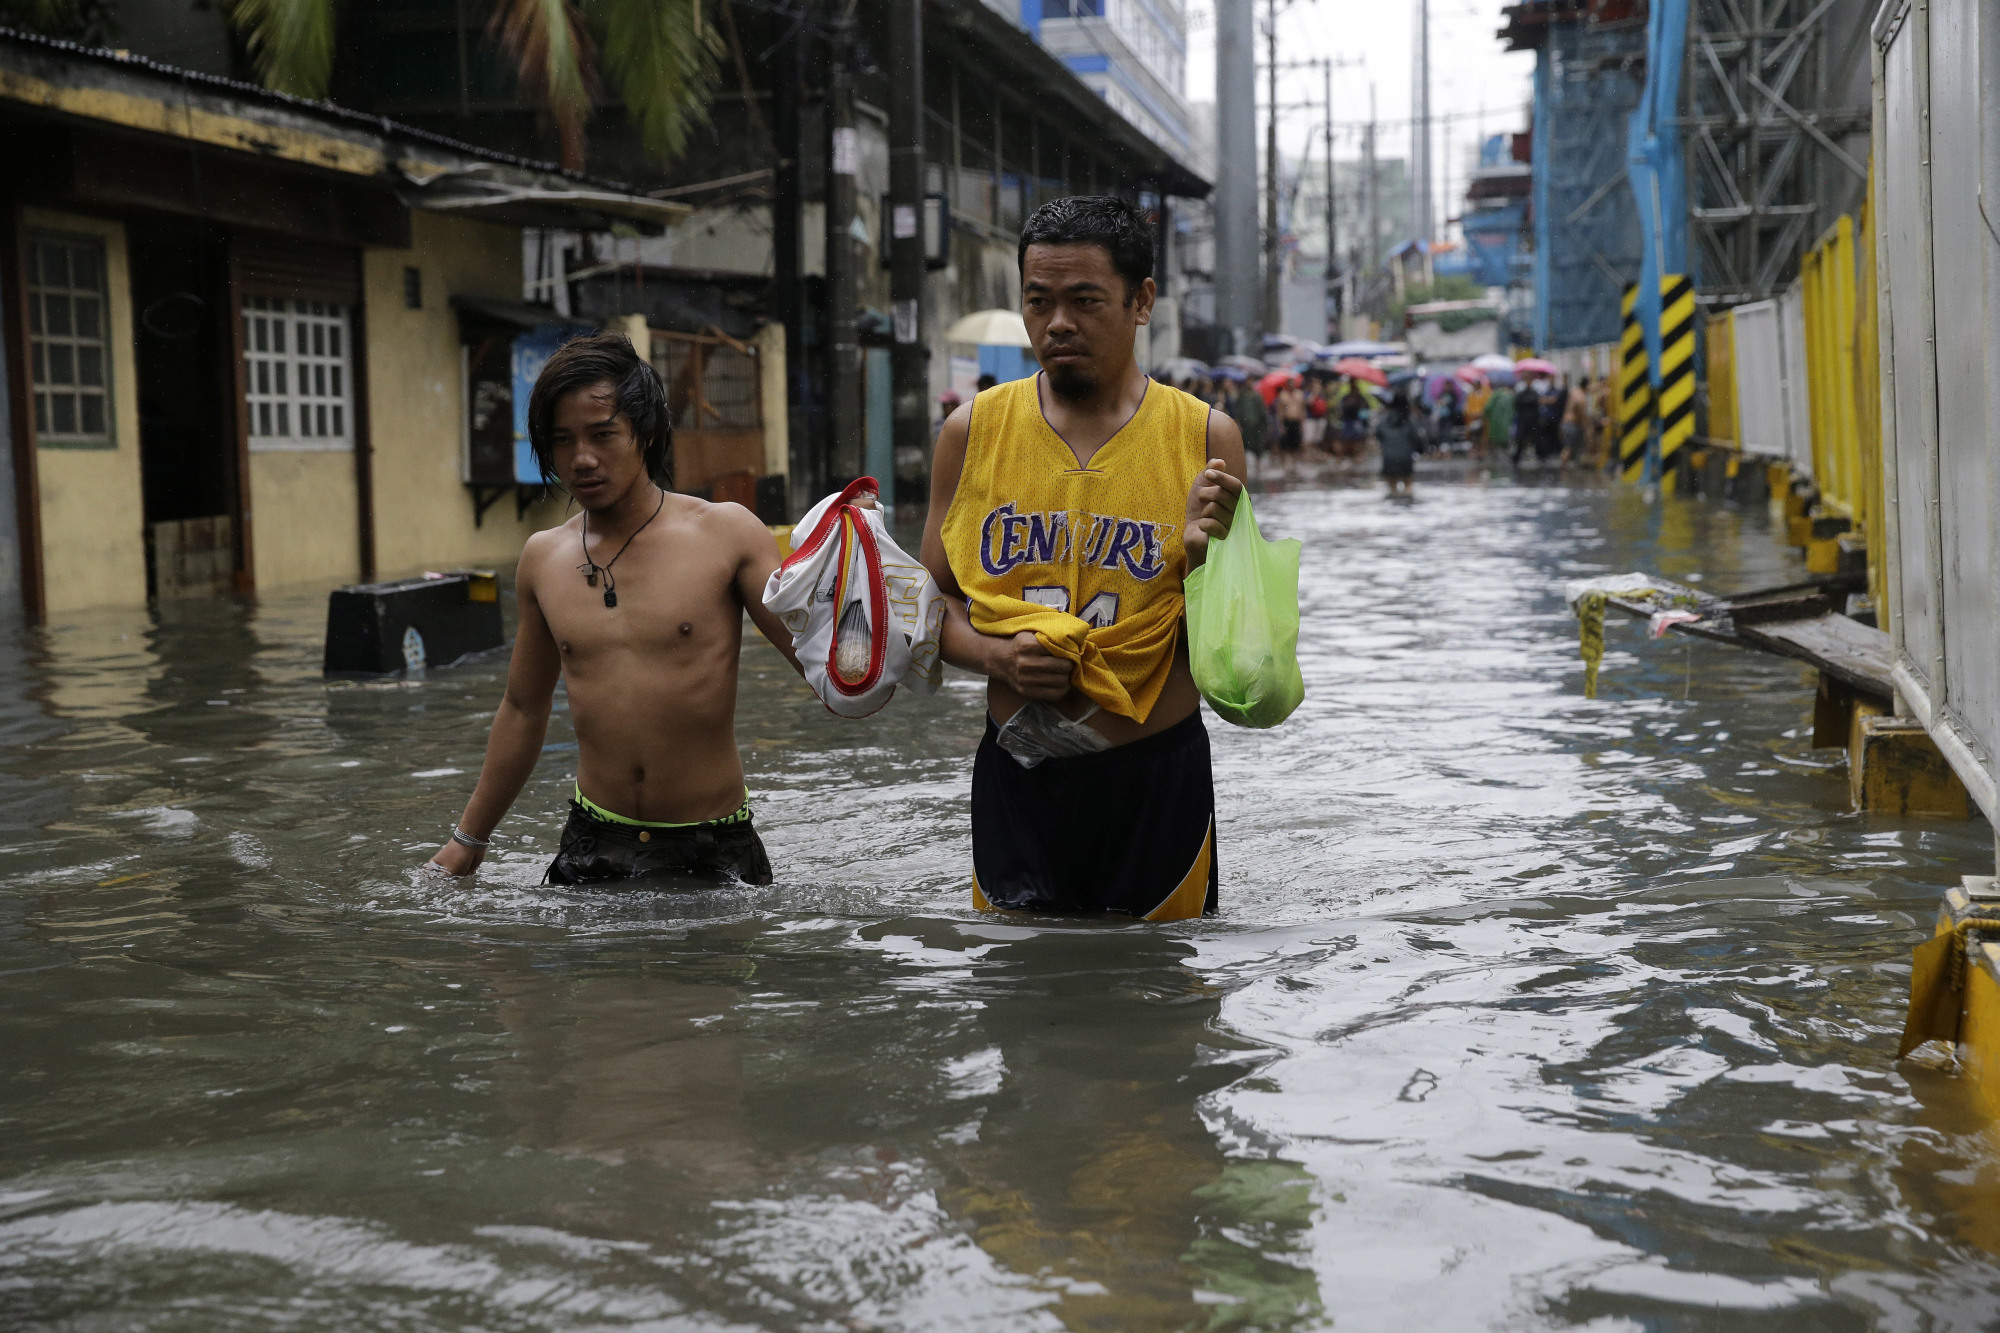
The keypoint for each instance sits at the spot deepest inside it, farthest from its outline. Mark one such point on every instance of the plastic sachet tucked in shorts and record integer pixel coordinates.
(1039, 732)
(864, 615)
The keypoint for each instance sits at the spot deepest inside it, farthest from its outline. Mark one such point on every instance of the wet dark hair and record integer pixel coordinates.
(602, 358)
(1094, 219)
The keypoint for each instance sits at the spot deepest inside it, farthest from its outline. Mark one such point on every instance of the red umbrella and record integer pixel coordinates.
(1534, 365)
(1471, 374)
(1356, 369)
(1276, 380)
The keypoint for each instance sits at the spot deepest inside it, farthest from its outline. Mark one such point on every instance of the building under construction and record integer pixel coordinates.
(1696, 137)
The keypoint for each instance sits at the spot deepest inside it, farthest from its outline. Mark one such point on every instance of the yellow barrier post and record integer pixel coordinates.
(1677, 309)
(1635, 391)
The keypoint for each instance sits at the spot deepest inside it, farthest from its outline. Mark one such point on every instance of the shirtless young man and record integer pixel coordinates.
(637, 604)
(1066, 509)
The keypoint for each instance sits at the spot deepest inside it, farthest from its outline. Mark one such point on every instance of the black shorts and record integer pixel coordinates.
(1291, 436)
(1129, 830)
(597, 851)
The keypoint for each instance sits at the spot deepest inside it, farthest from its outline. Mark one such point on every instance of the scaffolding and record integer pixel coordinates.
(1588, 72)
(1776, 136)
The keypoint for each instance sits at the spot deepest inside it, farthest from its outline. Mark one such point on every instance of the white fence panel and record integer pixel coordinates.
(1798, 396)
(1959, 242)
(1760, 379)
(1939, 358)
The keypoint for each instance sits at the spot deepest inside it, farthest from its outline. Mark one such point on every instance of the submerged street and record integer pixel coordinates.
(1522, 1011)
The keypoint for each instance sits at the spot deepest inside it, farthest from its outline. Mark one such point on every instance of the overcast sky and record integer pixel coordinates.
(1469, 72)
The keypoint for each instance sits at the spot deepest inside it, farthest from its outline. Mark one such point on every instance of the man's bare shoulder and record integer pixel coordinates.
(722, 520)
(544, 545)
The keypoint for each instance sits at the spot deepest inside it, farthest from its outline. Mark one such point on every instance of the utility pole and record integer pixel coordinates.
(1274, 310)
(787, 290)
(1420, 125)
(843, 348)
(1372, 257)
(1236, 285)
(1332, 233)
(909, 375)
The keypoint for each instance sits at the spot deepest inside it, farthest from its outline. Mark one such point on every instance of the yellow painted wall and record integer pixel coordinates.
(305, 524)
(416, 412)
(92, 500)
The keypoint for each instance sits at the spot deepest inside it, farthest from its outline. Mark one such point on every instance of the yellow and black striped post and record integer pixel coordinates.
(1677, 309)
(1635, 392)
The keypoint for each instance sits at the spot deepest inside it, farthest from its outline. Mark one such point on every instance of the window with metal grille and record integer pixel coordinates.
(66, 335)
(711, 384)
(297, 373)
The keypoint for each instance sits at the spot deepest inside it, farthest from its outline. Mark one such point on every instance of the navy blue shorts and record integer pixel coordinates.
(1128, 830)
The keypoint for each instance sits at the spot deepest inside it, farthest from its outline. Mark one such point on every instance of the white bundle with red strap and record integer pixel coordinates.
(864, 616)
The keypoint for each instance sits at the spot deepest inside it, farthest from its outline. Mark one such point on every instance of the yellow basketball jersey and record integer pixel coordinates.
(1088, 558)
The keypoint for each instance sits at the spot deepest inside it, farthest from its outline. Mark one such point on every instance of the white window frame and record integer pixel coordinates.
(298, 375)
(46, 346)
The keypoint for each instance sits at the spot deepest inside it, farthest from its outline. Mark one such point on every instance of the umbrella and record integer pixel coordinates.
(1471, 374)
(990, 328)
(1534, 365)
(1362, 348)
(1271, 383)
(1182, 368)
(1355, 368)
(1248, 364)
(1493, 361)
(1402, 376)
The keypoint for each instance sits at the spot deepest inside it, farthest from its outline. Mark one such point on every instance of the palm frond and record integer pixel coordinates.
(291, 42)
(664, 57)
(553, 55)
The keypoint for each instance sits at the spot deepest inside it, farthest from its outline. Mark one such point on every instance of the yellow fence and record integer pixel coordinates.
(1838, 281)
(1721, 350)
(1841, 395)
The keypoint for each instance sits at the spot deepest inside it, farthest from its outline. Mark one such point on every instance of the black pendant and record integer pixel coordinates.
(610, 597)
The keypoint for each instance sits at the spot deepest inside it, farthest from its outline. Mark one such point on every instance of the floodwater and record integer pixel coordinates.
(1523, 1011)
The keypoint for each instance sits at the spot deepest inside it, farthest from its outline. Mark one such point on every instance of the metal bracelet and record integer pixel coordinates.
(464, 839)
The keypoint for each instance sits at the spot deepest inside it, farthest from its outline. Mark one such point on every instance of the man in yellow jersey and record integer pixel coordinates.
(1066, 510)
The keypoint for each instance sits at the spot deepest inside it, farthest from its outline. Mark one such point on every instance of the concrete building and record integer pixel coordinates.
(1132, 53)
(241, 334)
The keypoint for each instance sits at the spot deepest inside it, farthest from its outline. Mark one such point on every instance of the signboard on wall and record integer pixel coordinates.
(532, 350)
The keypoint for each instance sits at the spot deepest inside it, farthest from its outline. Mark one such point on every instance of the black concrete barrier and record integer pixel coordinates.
(375, 629)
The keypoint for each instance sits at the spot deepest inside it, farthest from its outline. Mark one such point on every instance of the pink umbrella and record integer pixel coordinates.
(1356, 369)
(1268, 386)
(1534, 365)
(1471, 374)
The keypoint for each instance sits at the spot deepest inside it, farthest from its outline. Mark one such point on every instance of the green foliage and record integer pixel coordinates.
(291, 42)
(664, 59)
(1453, 287)
(662, 56)
(86, 22)
(554, 59)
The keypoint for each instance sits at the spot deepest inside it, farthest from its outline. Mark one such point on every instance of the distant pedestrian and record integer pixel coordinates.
(1575, 421)
(1316, 417)
(1290, 405)
(1527, 418)
(1246, 409)
(1400, 434)
(1498, 419)
(1353, 422)
(1548, 427)
(1475, 418)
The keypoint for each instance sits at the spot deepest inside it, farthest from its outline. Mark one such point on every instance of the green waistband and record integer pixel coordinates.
(597, 811)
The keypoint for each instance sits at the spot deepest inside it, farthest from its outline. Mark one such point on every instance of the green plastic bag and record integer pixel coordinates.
(1243, 624)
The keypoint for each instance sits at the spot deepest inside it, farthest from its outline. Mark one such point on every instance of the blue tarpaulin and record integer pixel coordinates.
(1656, 169)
